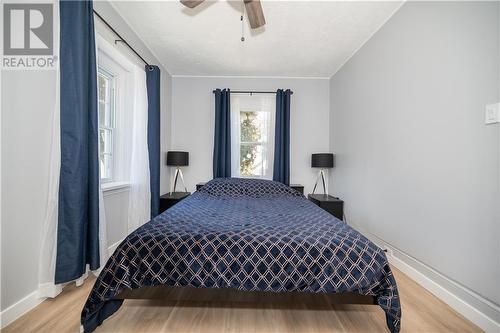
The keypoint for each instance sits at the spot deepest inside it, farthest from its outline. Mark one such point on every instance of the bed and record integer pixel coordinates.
(247, 235)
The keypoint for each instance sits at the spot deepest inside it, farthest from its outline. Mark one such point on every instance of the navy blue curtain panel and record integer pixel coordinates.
(222, 140)
(153, 86)
(281, 169)
(78, 220)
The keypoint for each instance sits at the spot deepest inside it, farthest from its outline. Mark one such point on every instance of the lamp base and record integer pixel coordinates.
(178, 172)
(321, 175)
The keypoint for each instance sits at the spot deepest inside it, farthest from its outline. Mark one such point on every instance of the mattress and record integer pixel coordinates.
(246, 234)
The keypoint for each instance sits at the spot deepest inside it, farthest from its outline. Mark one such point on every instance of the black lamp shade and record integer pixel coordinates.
(323, 160)
(178, 158)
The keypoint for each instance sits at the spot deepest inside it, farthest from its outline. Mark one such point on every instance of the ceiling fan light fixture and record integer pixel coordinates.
(191, 3)
(253, 8)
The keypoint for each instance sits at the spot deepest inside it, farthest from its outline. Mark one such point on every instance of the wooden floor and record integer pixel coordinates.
(422, 312)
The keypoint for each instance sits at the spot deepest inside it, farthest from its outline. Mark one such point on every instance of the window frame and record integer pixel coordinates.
(124, 68)
(101, 70)
(263, 144)
(256, 104)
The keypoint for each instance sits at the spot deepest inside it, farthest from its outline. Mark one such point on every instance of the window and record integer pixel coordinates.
(252, 143)
(106, 87)
(253, 139)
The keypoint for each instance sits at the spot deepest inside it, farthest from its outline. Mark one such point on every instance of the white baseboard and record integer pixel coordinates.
(19, 308)
(49, 290)
(16, 310)
(469, 304)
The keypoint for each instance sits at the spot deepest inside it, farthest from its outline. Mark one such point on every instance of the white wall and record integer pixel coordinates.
(416, 165)
(26, 128)
(25, 139)
(166, 128)
(116, 209)
(193, 121)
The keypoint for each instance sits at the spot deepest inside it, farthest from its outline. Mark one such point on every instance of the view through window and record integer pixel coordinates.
(255, 132)
(106, 123)
(252, 135)
(252, 144)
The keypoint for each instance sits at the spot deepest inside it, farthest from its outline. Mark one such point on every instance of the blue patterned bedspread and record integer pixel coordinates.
(245, 234)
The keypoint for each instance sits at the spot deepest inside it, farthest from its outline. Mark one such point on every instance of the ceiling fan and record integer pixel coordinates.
(252, 7)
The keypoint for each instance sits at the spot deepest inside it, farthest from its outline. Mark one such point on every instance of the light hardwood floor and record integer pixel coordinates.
(422, 312)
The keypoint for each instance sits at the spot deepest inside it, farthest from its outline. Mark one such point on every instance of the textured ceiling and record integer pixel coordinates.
(300, 39)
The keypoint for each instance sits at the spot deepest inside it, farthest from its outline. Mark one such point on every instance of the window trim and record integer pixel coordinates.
(257, 104)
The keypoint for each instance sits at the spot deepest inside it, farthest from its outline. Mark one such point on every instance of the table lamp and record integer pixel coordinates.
(322, 161)
(178, 159)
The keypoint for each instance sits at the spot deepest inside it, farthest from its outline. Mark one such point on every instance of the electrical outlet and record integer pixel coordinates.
(492, 115)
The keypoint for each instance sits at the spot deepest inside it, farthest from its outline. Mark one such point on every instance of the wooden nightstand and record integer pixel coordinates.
(297, 187)
(331, 204)
(170, 199)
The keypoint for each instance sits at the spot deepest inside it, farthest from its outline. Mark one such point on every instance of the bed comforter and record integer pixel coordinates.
(245, 234)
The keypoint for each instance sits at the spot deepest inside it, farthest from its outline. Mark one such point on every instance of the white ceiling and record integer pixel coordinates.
(300, 39)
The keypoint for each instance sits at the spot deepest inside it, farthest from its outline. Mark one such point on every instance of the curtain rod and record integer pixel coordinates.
(121, 38)
(252, 92)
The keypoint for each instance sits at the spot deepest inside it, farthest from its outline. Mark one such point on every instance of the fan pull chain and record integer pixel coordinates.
(241, 19)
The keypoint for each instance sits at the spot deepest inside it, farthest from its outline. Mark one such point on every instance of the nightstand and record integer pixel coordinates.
(297, 187)
(170, 199)
(331, 204)
(200, 185)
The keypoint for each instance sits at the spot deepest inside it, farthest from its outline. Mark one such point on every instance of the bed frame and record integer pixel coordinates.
(243, 298)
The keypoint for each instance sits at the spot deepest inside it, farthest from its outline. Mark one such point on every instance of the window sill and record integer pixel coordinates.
(255, 177)
(114, 186)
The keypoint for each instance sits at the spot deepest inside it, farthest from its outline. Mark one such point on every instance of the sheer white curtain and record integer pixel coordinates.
(48, 247)
(235, 135)
(140, 192)
(131, 118)
(265, 106)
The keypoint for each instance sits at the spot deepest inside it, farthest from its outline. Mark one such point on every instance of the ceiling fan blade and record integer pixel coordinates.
(255, 13)
(191, 3)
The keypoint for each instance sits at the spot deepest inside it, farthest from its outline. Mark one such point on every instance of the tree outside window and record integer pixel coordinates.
(251, 144)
